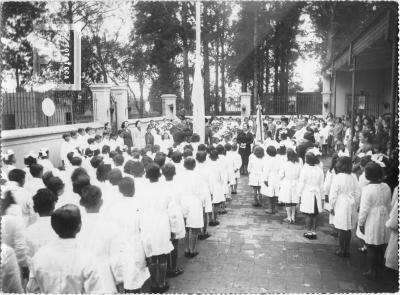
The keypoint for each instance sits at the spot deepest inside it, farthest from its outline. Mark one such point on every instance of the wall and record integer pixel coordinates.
(376, 84)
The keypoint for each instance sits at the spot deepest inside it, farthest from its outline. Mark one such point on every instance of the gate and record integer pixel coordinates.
(113, 114)
(309, 103)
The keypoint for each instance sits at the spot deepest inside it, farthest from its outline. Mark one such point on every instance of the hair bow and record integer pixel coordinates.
(31, 154)
(315, 151)
(377, 158)
(343, 154)
(362, 155)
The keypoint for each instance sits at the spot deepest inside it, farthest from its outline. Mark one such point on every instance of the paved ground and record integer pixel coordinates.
(251, 251)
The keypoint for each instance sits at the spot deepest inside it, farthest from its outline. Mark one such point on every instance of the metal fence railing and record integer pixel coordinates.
(22, 110)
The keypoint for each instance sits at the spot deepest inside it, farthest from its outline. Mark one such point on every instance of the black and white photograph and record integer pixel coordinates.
(199, 147)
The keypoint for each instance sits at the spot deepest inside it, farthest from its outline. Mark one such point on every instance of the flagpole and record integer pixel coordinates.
(197, 91)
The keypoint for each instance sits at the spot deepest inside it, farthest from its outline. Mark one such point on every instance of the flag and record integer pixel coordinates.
(259, 124)
(197, 91)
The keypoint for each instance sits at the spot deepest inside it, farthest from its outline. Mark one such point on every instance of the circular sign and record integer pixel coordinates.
(48, 107)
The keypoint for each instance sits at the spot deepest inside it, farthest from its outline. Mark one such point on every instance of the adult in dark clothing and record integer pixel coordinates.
(208, 133)
(308, 142)
(126, 134)
(149, 138)
(244, 140)
(283, 129)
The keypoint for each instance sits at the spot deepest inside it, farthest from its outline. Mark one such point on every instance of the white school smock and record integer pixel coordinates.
(23, 198)
(39, 234)
(230, 159)
(193, 199)
(255, 169)
(270, 173)
(374, 212)
(310, 188)
(225, 172)
(216, 182)
(47, 165)
(64, 266)
(202, 170)
(10, 274)
(34, 185)
(289, 174)
(344, 197)
(392, 250)
(12, 234)
(127, 221)
(154, 220)
(238, 163)
(99, 236)
(327, 187)
(175, 214)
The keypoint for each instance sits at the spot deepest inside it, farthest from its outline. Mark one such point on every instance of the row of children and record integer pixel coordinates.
(110, 221)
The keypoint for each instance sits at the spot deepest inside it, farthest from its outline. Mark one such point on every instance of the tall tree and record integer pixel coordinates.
(17, 22)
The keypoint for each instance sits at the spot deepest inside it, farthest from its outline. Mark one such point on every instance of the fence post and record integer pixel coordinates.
(168, 105)
(101, 95)
(120, 94)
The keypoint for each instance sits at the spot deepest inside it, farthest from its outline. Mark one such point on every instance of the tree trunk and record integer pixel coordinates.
(216, 89)
(261, 74)
(17, 78)
(141, 102)
(255, 63)
(186, 82)
(222, 39)
(206, 54)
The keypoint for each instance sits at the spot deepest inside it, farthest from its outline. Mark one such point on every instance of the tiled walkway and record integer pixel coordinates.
(251, 251)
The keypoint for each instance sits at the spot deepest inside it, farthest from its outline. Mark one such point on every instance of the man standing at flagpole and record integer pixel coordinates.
(198, 92)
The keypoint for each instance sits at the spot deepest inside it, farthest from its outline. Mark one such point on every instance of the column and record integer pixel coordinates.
(245, 104)
(120, 94)
(168, 105)
(101, 102)
(326, 95)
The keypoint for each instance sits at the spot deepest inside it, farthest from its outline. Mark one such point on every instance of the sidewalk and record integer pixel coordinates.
(251, 251)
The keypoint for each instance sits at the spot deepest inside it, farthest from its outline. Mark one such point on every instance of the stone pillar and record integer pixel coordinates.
(168, 105)
(245, 104)
(101, 102)
(326, 95)
(120, 94)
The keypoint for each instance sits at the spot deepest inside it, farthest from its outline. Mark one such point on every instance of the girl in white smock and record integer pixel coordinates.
(255, 169)
(271, 178)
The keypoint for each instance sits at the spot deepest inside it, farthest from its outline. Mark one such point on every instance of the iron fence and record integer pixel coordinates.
(22, 110)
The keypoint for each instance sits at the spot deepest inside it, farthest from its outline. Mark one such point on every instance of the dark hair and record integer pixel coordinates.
(73, 133)
(365, 160)
(96, 161)
(112, 154)
(46, 178)
(160, 159)
(76, 161)
(7, 201)
(234, 147)
(81, 181)
(367, 135)
(213, 155)
(311, 159)
(168, 170)
(220, 149)
(201, 147)
(97, 137)
(258, 152)
(88, 129)
(127, 186)
(105, 149)
(284, 136)
(228, 147)
(373, 172)
(28, 161)
(91, 196)
(281, 150)
(343, 165)
(176, 157)
(88, 152)
(90, 140)
(187, 153)
(36, 170)
(96, 152)
(65, 135)
(271, 151)
(55, 184)
(102, 172)
(189, 163)
(137, 169)
(66, 221)
(17, 175)
(292, 156)
(334, 159)
(153, 172)
(115, 176)
(118, 160)
(44, 201)
(146, 160)
(80, 130)
(78, 171)
(201, 156)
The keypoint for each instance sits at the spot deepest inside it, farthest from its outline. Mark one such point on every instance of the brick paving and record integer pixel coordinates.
(253, 252)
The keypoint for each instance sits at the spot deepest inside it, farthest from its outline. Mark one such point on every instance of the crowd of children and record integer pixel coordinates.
(112, 215)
